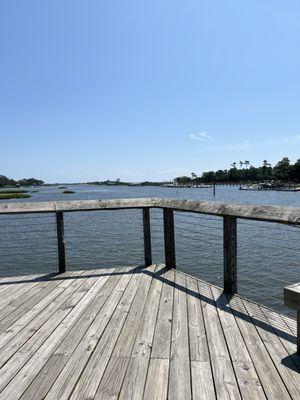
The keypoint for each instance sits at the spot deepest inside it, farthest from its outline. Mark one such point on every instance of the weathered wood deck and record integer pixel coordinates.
(134, 333)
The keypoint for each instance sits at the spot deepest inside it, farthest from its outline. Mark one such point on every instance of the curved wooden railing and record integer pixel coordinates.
(281, 214)
(229, 212)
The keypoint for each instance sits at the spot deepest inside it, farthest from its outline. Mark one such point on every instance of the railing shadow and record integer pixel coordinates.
(62, 277)
(224, 303)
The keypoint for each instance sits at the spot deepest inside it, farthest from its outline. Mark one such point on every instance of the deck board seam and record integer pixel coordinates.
(17, 286)
(262, 338)
(146, 376)
(32, 355)
(149, 358)
(154, 332)
(171, 335)
(137, 331)
(135, 336)
(261, 341)
(84, 333)
(206, 340)
(228, 355)
(225, 340)
(127, 313)
(34, 294)
(245, 346)
(36, 305)
(17, 291)
(83, 369)
(76, 348)
(270, 356)
(297, 365)
(188, 338)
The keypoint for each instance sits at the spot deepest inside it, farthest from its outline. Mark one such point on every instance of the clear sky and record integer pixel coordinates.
(146, 89)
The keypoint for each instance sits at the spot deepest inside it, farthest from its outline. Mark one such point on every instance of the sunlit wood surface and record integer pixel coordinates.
(135, 333)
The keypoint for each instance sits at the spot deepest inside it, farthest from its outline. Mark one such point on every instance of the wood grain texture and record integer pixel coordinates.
(289, 215)
(143, 333)
(270, 379)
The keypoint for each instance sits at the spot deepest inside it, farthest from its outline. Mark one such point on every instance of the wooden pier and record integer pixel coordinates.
(144, 332)
(140, 333)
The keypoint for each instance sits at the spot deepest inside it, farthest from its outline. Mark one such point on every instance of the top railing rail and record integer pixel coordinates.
(228, 213)
(280, 214)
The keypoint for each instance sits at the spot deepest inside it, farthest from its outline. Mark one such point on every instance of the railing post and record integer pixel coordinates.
(60, 241)
(230, 254)
(169, 236)
(147, 237)
(291, 296)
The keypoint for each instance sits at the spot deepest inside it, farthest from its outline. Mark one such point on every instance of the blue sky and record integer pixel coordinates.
(140, 90)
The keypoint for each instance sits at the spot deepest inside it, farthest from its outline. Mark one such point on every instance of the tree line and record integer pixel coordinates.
(8, 182)
(243, 171)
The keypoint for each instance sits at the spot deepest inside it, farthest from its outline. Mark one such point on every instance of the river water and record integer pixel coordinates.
(268, 253)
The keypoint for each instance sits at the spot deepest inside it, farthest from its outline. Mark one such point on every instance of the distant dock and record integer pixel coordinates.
(270, 186)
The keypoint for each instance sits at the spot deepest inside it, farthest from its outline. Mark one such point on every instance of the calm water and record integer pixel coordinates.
(268, 255)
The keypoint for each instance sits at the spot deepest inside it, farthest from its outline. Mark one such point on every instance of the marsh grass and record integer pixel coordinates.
(14, 195)
(13, 191)
(68, 191)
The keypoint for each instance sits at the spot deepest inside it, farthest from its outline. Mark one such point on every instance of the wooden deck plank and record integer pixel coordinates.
(201, 372)
(225, 381)
(157, 380)
(41, 353)
(85, 333)
(284, 333)
(24, 333)
(163, 328)
(135, 378)
(14, 281)
(28, 306)
(276, 350)
(112, 379)
(17, 286)
(15, 322)
(179, 375)
(197, 335)
(142, 334)
(248, 380)
(291, 323)
(21, 300)
(202, 381)
(268, 375)
(156, 387)
(77, 377)
(17, 279)
(15, 292)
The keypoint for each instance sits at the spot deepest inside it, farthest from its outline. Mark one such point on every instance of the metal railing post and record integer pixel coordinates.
(60, 241)
(147, 237)
(230, 254)
(169, 237)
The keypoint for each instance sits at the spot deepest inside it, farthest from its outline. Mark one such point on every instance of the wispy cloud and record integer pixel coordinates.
(204, 137)
(213, 144)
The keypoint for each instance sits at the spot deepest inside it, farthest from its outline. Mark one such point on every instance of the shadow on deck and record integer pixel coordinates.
(136, 333)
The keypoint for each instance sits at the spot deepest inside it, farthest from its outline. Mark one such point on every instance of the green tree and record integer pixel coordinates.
(282, 170)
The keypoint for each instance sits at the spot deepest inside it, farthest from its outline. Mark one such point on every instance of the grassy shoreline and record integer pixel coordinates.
(14, 194)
